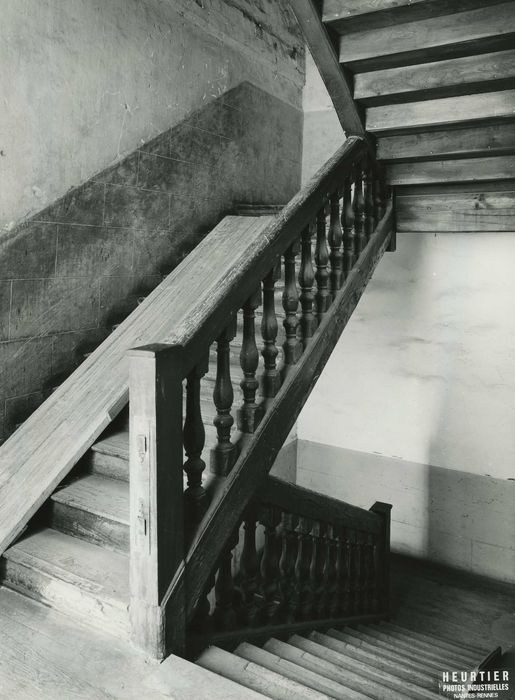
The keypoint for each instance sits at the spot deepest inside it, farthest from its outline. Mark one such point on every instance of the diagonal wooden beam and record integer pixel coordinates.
(324, 55)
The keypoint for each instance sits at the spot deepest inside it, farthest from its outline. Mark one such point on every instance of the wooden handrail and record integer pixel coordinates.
(350, 240)
(310, 504)
(240, 265)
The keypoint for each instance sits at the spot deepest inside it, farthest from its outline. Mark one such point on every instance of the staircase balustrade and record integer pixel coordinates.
(180, 541)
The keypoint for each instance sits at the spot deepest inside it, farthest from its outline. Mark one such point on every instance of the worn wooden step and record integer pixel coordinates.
(343, 16)
(454, 653)
(344, 676)
(433, 655)
(461, 170)
(94, 508)
(73, 576)
(475, 31)
(473, 650)
(369, 667)
(425, 115)
(474, 141)
(255, 677)
(456, 76)
(353, 646)
(274, 661)
(349, 634)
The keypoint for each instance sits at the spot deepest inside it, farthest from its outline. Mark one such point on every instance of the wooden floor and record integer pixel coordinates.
(44, 655)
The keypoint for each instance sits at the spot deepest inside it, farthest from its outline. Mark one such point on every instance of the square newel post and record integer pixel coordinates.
(382, 558)
(156, 496)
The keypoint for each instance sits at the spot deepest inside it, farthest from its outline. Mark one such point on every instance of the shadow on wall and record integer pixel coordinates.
(77, 267)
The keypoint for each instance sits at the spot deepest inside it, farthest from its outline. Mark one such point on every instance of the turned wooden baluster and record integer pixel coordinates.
(378, 201)
(291, 346)
(353, 596)
(194, 437)
(321, 260)
(270, 597)
(250, 413)
(287, 560)
(249, 569)
(372, 599)
(225, 616)
(224, 454)
(316, 569)
(335, 606)
(202, 621)
(349, 236)
(358, 205)
(302, 599)
(368, 181)
(306, 280)
(335, 237)
(362, 548)
(271, 377)
(356, 583)
(331, 589)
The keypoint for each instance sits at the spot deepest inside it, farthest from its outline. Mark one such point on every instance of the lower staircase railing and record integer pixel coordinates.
(339, 226)
(297, 560)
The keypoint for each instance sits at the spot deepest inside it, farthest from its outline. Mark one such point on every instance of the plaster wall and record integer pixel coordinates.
(323, 134)
(129, 130)
(415, 406)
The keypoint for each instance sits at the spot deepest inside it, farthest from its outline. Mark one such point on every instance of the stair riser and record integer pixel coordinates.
(369, 677)
(66, 598)
(381, 645)
(90, 527)
(355, 681)
(468, 649)
(452, 656)
(108, 465)
(385, 655)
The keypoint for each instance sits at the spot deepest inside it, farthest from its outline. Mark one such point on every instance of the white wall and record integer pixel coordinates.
(85, 82)
(323, 133)
(418, 401)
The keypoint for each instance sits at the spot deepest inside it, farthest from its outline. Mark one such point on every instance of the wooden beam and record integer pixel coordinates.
(462, 33)
(456, 76)
(325, 57)
(259, 454)
(353, 15)
(447, 111)
(486, 140)
(477, 211)
(470, 169)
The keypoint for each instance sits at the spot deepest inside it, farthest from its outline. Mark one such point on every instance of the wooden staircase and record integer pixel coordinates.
(383, 661)
(75, 555)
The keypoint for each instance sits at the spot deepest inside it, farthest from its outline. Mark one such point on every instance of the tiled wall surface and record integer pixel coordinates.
(76, 267)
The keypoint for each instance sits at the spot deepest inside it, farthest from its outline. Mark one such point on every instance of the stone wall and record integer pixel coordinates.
(138, 125)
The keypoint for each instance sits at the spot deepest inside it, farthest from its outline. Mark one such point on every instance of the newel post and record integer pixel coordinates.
(156, 495)
(382, 556)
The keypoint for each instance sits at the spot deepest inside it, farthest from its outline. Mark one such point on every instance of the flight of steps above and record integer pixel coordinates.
(382, 661)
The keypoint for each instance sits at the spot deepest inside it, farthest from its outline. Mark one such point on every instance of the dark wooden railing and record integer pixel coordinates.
(297, 560)
(326, 242)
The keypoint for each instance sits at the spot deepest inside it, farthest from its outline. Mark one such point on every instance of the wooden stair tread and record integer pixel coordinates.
(93, 570)
(461, 33)
(291, 670)
(108, 498)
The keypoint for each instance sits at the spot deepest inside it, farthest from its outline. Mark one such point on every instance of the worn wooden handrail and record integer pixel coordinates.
(350, 240)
